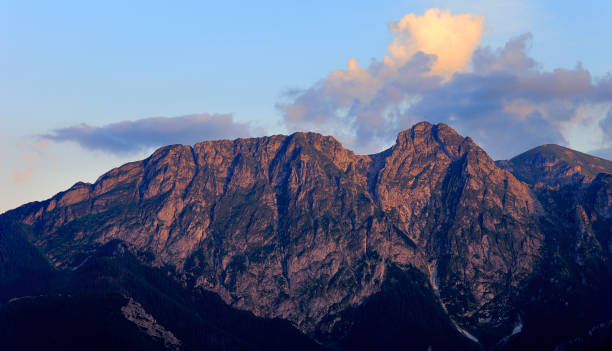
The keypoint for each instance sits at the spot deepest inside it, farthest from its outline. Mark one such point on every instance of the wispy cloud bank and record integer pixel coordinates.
(606, 127)
(504, 100)
(132, 136)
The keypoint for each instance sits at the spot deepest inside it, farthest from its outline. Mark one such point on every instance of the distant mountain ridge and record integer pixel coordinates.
(430, 237)
(555, 165)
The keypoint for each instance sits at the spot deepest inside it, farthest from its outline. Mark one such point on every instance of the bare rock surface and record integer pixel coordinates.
(135, 313)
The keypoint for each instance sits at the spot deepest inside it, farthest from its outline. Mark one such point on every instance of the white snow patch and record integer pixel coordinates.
(81, 264)
(518, 327)
(434, 275)
(466, 333)
(434, 282)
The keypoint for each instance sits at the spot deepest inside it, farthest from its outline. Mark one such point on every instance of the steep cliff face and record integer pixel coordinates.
(475, 223)
(300, 228)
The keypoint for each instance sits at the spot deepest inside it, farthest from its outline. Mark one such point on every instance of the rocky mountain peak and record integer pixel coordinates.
(300, 228)
(425, 137)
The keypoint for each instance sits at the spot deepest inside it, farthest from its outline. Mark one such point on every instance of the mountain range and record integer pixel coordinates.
(295, 242)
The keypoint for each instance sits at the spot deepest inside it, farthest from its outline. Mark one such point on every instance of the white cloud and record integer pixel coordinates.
(450, 38)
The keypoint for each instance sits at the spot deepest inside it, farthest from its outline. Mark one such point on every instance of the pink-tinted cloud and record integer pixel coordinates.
(23, 176)
(450, 38)
(28, 161)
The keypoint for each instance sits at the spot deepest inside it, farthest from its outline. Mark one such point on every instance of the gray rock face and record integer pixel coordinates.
(135, 313)
(300, 228)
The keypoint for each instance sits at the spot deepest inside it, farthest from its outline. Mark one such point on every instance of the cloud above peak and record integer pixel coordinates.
(437, 72)
(133, 136)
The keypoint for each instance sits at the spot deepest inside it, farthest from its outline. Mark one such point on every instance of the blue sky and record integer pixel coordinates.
(66, 63)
